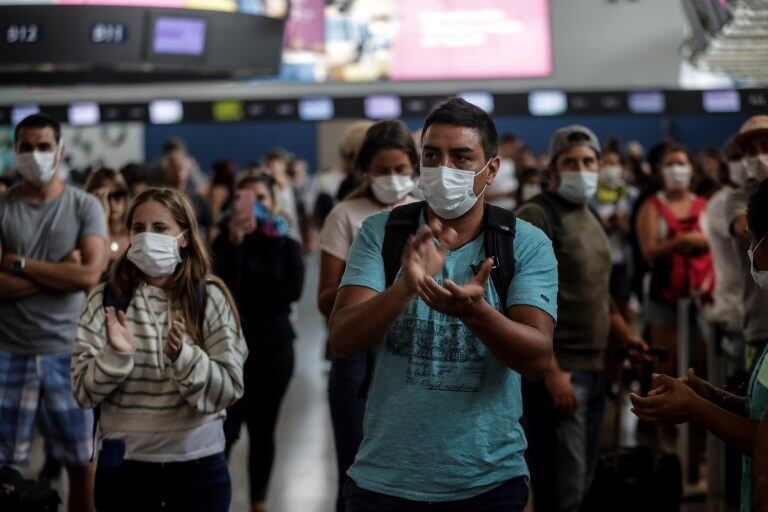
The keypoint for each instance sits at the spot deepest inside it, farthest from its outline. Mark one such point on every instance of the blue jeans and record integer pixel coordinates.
(510, 496)
(562, 451)
(347, 413)
(201, 485)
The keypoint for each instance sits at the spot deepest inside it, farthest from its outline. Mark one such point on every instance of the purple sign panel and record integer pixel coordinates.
(179, 36)
(305, 28)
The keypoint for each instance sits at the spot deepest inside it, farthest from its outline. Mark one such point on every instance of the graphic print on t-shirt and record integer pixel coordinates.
(443, 355)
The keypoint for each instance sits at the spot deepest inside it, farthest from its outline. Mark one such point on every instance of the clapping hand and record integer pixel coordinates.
(671, 402)
(118, 331)
(424, 258)
(452, 299)
(175, 339)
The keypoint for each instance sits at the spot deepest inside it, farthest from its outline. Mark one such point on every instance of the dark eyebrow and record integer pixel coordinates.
(431, 148)
(461, 150)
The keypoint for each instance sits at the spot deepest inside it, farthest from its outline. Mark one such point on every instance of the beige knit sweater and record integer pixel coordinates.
(143, 391)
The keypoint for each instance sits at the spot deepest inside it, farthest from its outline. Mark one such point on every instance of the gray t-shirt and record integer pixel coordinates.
(755, 298)
(45, 323)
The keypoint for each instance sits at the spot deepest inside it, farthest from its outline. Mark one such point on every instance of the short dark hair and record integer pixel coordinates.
(264, 179)
(757, 211)
(459, 112)
(36, 121)
(276, 154)
(509, 137)
(391, 134)
(674, 147)
(173, 145)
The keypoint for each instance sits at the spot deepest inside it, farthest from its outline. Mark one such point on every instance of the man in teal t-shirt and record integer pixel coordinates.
(442, 419)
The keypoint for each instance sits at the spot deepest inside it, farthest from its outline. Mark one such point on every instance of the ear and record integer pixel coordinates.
(184, 241)
(61, 151)
(493, 169)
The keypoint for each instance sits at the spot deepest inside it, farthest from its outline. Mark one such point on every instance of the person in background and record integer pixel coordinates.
(530, 184)
(669, 229)
(351, 140)
(112, 191)
(564, 412)
(176, 148)
(177, 166)
(613, 203)
(163, 368)
(752, 143)
(5, 183)
(264, 269)
(503, 192)
(733, 419)
(728, 306)
(386, 160)
(297, 173)
(222, 187)
(276, 163)
(53, 247)
(135, 176)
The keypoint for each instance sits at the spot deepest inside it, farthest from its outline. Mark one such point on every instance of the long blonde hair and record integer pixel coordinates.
(195, 266)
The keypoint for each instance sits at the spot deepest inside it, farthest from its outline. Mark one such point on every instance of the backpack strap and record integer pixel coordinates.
(499, 239)
(546, 201)
(403, 221)
(672, 223)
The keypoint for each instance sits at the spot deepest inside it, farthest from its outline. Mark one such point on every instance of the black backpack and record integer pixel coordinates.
(498, 236)
(18, 494)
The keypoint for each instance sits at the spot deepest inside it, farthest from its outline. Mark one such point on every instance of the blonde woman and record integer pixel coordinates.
(163, 368)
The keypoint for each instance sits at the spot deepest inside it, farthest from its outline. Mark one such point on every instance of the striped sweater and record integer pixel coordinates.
(143, 391)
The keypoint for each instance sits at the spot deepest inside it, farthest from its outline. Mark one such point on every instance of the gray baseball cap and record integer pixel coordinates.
(570, 136)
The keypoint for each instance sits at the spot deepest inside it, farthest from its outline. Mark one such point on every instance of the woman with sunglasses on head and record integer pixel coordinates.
(111, 189)
(732, 418)
(263, 266)
(159, 351)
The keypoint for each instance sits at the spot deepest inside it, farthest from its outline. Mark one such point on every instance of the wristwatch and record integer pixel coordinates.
(18, 266)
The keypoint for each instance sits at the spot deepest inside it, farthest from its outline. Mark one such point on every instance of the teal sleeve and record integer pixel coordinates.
(365, 264)
(535, 281)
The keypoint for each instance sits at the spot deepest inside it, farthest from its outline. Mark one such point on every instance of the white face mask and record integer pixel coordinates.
(737, 172)
(449, 192)
(37, 167)
(676, 177)
(391, 188)
(578, 187)
(760, 276)
(529, 191)
(156, 255)
(756, 168)
(612, 176)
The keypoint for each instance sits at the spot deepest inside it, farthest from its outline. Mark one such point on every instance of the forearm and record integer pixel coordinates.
(730, 402)
(325, 300)
(736, 431)
(760, 468)
(64, 277)
(660, 250)
(357, 327)
(619, 329)
(521, 347)
(17, 287)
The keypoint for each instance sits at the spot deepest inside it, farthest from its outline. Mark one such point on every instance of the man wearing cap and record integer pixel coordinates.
(752, 143)
(563, 412)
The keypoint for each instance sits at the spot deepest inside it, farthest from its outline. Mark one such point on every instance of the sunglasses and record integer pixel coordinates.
(117, 195)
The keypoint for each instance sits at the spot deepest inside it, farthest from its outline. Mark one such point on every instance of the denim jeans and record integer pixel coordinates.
(562, 451)
(347, 413)
(511, 496)
(201, 485)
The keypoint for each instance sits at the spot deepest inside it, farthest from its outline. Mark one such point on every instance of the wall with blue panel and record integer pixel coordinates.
(242, 142)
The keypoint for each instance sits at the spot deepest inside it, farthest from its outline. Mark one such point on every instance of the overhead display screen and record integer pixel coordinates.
(178, 36)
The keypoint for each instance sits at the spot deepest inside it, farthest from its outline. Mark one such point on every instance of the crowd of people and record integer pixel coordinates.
(481, 304)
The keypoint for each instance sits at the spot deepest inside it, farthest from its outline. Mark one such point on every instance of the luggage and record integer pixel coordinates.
(18, 494)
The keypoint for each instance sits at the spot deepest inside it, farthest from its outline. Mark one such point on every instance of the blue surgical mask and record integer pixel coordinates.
(449, 192)
(760, 276)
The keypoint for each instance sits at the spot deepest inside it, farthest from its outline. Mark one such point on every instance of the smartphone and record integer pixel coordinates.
(243, 209)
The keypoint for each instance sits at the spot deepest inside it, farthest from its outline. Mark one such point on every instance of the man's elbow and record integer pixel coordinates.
(538, 367)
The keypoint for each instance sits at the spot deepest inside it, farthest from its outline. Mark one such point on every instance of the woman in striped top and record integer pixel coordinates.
(163, 371)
